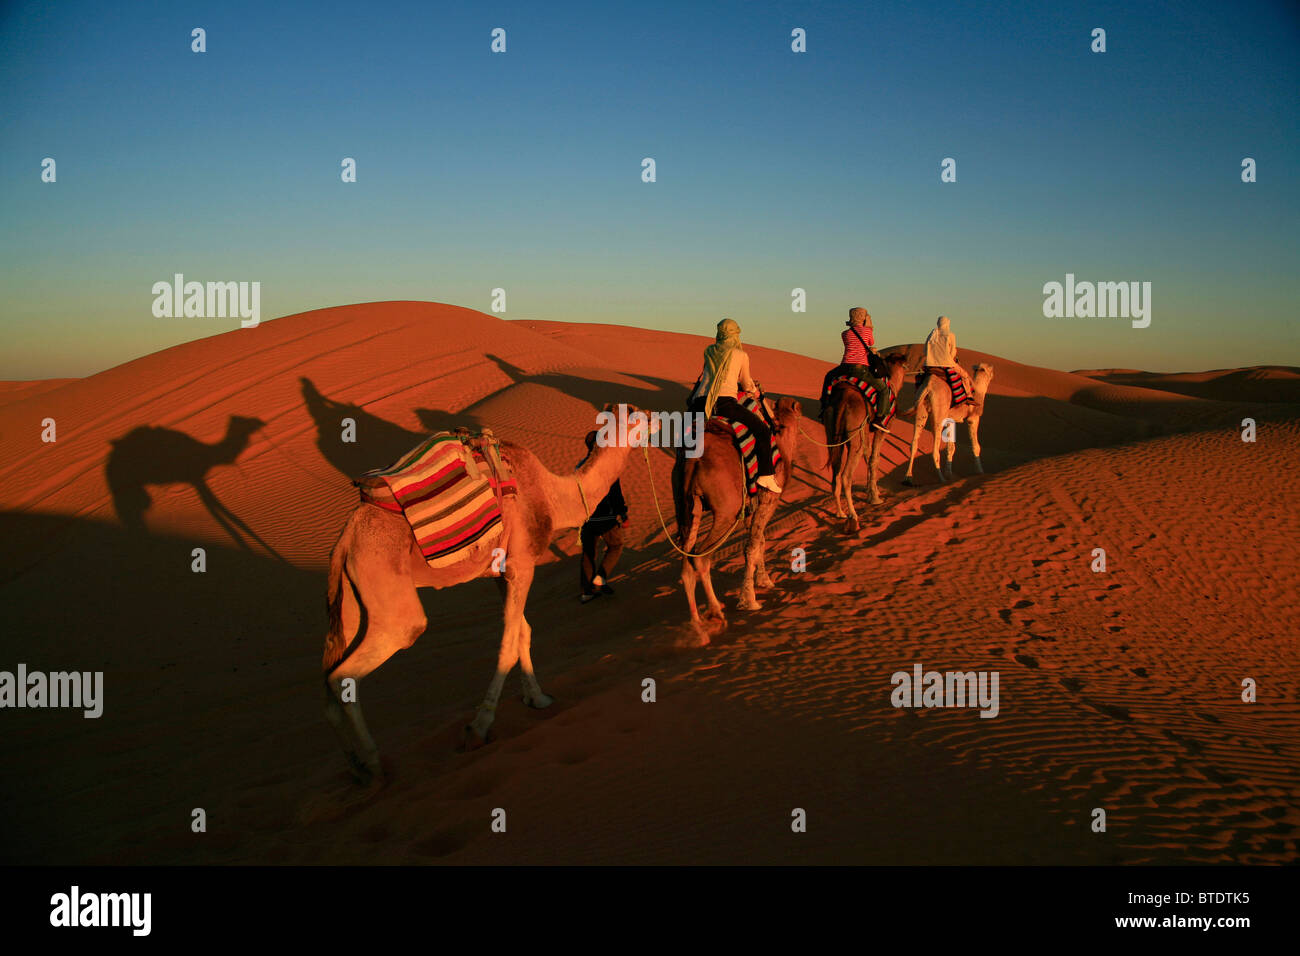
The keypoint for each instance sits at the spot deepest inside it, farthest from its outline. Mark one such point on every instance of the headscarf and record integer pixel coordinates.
(939, 344)
(716, 358)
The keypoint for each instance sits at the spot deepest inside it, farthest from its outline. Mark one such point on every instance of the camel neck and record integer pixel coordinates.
(582, 490)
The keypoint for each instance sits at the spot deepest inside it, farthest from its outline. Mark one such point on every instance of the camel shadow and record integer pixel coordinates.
(659, 394)
(376, 442)
(153, 455)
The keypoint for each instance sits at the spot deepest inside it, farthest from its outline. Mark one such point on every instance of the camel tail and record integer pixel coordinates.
(839, 426)
(341, 585)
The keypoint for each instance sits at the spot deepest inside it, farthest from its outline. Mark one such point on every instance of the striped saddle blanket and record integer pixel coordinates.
(449, 489)
(747, 445)
(872, 396)
(955, 383)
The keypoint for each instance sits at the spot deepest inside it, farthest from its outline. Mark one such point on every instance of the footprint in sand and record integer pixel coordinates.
(445, 842)
(479, 785)
(1111, 710)
(575, 755)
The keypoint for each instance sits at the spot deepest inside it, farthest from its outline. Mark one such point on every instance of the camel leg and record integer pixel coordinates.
(974, 426)
(533, 695)
(936, 428)
(396, 620)
(723, 525)
(706, 578)
(754, 554)
(952, 453)
(872, 485)
(837, 484)
(918, 426)
(689, 574)
(761, 578)
(850, 467)
(518, 578)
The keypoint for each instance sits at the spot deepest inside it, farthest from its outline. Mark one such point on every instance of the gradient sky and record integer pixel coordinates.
(775, 169)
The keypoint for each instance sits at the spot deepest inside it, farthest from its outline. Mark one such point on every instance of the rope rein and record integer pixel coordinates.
(645, 451)
(583, 495)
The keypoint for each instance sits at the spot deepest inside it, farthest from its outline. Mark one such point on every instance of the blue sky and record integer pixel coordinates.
(775, 170)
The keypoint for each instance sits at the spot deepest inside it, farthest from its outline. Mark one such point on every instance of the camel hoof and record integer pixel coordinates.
(765, 582)
(366, 773)
(478, 731)
(750, 604)
(909, 482)
(540, 702)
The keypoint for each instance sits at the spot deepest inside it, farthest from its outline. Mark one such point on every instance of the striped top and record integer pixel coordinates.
(855, 352)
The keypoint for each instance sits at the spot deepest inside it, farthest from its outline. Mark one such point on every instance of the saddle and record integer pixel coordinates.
(954, 380)
(449, 488)
(745, 443)
(872, 394)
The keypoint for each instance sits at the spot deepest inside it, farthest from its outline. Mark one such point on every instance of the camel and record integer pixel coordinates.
(376, 568)
(935, 402)
(852, 426)
(714, 482)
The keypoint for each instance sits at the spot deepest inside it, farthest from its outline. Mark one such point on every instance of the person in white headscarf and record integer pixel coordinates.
(941, 352)
(725, 374)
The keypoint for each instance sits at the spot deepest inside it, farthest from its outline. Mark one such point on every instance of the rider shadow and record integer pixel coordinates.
(153, 455)
(377, 442)
(661, 394)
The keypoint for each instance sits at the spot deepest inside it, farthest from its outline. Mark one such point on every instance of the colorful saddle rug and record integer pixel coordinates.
(871, 394)
(748, 445)
(955, 383)
(449, 489)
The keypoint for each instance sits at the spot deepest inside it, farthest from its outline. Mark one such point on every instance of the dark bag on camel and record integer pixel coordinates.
(875, 364)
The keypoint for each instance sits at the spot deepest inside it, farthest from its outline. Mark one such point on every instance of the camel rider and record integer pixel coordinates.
(726, 367)
(941, 355)
(860, 357)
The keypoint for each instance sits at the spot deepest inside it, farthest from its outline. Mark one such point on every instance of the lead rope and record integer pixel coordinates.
(581, 494)
(744, 498)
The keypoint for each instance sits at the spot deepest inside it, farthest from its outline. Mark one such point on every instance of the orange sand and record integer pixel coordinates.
(1118, 690)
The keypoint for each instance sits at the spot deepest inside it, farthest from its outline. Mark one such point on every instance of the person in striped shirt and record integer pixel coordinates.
(859, 353)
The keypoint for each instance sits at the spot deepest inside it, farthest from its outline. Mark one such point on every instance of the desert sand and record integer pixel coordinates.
(1119, 690)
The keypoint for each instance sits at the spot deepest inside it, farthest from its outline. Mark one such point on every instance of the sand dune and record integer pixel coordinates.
(1120, 690)
(1266, 383)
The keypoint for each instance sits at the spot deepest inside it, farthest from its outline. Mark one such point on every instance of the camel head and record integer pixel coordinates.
(242, 428)
(785, 414)
(982, 377)
(896, 366)
(619, 422)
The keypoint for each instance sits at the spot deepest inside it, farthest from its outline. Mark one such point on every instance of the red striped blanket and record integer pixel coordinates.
(871, 394)
(749, 446)
(953, 377)
(449, 489)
